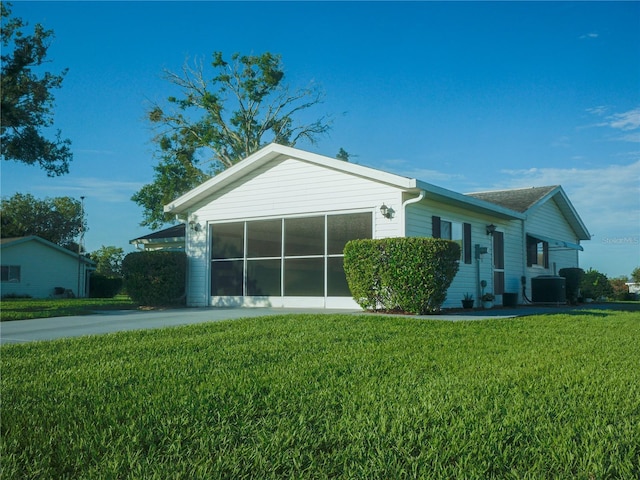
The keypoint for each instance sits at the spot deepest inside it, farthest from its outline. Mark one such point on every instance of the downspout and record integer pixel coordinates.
(417, 199)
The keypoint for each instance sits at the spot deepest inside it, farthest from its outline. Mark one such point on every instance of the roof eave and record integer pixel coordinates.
(470, 202)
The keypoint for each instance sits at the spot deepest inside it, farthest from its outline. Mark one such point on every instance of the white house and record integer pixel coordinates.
(36, 267)
(271, 230)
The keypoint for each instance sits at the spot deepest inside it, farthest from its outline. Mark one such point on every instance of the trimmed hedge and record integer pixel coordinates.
(401, 274)
(573, 279)
(155, 278)
(101, 286)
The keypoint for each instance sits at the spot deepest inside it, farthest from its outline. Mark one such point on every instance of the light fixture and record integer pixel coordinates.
(194, 226)
(387, 212)
(491, 229)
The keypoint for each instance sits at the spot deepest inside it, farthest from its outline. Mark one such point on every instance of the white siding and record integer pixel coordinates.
(281, 189)
(42, 268)
(548, 220)
(468, 278)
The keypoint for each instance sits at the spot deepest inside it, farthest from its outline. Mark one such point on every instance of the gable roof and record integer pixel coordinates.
(509, 204)
(520, 200)
(275, 151)
(527, 200)
(14, 241)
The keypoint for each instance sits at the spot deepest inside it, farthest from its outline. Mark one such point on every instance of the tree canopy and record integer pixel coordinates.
(27, 99)
(217, 121)
(108, 261)
(59, 220)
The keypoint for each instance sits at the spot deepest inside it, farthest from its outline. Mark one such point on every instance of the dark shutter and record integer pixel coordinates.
(498, 283)
(466, 242)
(531, 251)
(498, 250)
(435, 226)
(545, 254)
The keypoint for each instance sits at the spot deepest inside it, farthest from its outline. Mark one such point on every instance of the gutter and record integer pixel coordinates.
(417, 199)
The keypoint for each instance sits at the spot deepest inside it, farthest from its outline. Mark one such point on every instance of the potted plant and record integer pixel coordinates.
(487, 300)
(467, 301)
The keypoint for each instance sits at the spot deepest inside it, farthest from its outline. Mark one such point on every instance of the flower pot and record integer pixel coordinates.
(467, 304)
(487, 305)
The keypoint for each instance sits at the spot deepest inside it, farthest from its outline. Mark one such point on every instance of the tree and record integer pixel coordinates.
(27, 99)
(595, 285)
(58, 219)
(635, 275)
(108, 261)
(343, 155)
(217, 122)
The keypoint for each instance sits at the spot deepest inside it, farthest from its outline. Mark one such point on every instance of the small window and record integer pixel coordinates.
(10, 273)
(537, 252)
(453, 231)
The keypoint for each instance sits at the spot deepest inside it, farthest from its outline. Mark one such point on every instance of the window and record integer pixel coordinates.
(456, 231)
(11, 273)
(537, 252)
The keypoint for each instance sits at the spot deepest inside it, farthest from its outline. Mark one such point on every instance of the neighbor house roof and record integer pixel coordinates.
(13, 241)
(527, 200)
(171, 234)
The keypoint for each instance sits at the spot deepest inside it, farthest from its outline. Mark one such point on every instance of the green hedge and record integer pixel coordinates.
(573, 279)
(101, 286)
(155, 278)
(401, 274)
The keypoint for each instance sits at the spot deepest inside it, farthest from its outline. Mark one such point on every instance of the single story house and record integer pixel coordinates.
(39, 268)
(169, 239)
(270, 231)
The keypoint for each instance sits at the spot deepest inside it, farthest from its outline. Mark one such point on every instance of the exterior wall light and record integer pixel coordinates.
(387, 212)
(491, 229)
(194, 226)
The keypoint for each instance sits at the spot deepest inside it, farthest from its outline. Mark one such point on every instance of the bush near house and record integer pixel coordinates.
(102, 286)
(573, 279)
(155, 278)
(406, 274)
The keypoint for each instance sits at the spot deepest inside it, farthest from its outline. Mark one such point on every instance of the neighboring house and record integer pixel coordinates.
(171, 239)
(634, 288)
(36, 267)
(271, 230)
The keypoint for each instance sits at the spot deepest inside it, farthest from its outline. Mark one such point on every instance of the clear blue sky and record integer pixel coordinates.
(468, 96)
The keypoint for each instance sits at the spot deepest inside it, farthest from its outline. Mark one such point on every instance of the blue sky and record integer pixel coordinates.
(470, 96)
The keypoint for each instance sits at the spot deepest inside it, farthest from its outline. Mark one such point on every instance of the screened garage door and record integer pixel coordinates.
(285, 257)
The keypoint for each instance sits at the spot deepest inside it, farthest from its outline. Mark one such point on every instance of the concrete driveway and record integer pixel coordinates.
(21, 331)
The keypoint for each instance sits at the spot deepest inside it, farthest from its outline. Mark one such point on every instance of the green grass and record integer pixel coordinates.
(330, 396)
(27, 308)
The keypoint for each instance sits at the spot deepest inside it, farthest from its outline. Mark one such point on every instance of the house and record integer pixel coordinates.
(169, 239)
(39, 268)
(271, 230)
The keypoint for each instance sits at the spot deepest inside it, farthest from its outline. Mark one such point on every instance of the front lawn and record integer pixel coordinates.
(330, 396)
(27, 308)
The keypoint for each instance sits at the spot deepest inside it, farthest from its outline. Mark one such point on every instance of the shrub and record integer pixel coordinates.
(595, 285)
(155, 278)
(406, 274)
(102, 286)
(573, 278)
